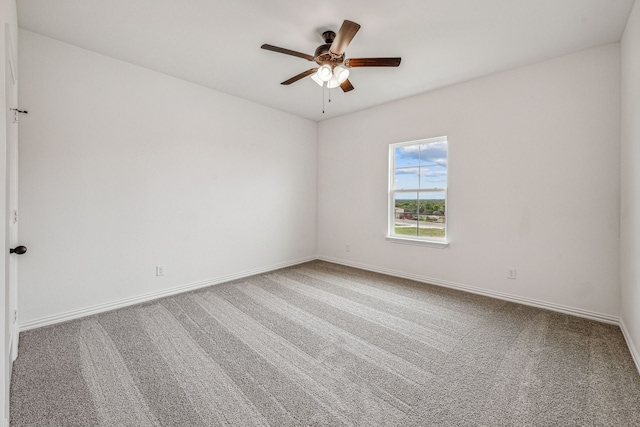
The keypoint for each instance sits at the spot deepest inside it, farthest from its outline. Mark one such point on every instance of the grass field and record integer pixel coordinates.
(423, 232)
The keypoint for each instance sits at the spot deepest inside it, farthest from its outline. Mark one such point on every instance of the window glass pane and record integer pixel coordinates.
(431, 218)
(433, 165)
(407, 178)
(433, 153)
(406, 156)
(433, 176)
(406, 214)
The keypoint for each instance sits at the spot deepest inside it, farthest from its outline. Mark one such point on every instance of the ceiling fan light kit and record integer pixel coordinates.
(325, 73)
(341, 73)
(333, 68)
(333, 83)
(333, 78)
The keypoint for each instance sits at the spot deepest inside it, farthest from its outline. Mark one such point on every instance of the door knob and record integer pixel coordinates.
(18, 250)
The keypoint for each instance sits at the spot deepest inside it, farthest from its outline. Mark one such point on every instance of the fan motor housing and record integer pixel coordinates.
(323, 56)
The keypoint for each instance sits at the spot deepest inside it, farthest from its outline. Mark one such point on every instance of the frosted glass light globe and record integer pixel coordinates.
(324, 73)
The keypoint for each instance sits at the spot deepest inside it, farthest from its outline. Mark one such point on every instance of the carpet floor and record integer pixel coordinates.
(320, 344)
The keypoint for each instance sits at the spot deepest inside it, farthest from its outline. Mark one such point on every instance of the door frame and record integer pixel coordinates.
(11, 82)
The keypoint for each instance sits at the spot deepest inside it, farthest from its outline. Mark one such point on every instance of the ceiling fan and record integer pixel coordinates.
(333, 68)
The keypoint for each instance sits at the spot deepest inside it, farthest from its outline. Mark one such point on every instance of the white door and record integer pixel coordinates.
(11, 286)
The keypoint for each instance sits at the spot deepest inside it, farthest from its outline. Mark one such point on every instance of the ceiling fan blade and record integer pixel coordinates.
(372, 62)
(346, 86)
(299, 76)
(346, 33)
(287, 51)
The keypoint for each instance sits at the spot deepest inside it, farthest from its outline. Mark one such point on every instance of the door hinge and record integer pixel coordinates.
(15, 216)
(16, 112)
(15, 316)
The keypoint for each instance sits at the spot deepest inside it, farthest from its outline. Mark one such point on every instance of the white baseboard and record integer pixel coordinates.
(632, 348)
(605, 318)
(100, 308)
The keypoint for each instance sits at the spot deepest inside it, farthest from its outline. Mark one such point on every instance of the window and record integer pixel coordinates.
(418, 191)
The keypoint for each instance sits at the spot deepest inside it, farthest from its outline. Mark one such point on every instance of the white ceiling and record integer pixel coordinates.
(216, 43)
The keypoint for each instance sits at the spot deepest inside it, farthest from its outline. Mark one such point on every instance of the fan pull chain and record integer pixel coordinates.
(325, 85)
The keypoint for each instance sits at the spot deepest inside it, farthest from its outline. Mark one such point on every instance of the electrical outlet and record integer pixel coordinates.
(159, 270)
(511, 273)
(347, 248)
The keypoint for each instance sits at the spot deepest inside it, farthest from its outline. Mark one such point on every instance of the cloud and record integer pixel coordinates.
(434, 152)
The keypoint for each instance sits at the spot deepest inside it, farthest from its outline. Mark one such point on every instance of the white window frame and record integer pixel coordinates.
(415, 240)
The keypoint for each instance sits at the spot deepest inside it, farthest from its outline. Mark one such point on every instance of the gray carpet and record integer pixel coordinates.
(325, 345)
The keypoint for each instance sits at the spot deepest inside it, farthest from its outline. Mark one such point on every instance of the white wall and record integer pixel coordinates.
(533, 183)
(122, 169)
(630, 184)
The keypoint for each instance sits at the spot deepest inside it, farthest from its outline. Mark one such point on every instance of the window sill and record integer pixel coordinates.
(418, 242)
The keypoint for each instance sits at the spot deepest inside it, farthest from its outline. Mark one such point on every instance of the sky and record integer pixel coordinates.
(421, 166)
